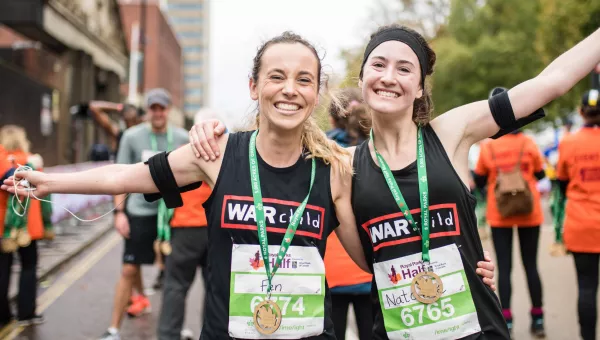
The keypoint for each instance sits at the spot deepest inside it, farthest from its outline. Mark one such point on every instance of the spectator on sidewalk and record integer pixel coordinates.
(189, 240)
(137, 220)
(97, 110)
(14, 140)
(510, 167)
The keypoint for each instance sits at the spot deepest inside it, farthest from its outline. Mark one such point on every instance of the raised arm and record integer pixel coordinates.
(473, 122)
(101, 117)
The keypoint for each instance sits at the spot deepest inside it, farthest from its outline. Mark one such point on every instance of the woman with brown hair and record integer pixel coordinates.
(348, 283)
(22, 240)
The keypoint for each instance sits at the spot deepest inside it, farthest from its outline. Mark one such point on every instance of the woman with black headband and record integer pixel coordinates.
(424, 265)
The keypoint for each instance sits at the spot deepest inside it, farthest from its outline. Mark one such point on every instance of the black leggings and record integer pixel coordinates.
(362, 313)
(528, 241)
(586, 265)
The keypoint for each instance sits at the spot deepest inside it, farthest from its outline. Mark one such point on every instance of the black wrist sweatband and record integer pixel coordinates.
(504, 115)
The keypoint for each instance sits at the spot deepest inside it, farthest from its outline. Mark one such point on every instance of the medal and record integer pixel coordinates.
(23, 238)
(267, 315)
(166, 248)
(9, 245)
(558, 249)
(427, 287)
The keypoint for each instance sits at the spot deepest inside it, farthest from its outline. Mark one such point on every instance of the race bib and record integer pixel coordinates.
(146, 154)
(298, 290)
(452, 316)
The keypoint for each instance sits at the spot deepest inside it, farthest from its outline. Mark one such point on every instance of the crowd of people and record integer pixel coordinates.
(292, 225)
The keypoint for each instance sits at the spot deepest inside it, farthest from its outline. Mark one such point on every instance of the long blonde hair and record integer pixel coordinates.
(14, 138)
(313, 138)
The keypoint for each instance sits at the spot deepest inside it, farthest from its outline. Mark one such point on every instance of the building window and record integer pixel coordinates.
(190, 34)
(192, 49)
(185, 7)
(186, 20)
(193, 63)
(191, 107)
(193, 77)
(193, 92)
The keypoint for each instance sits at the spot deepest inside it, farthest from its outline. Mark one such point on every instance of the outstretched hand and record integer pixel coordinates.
(203, 138)
(27, 182)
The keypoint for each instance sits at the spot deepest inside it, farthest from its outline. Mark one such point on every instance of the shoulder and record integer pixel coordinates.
(135, 131)
(569, 141)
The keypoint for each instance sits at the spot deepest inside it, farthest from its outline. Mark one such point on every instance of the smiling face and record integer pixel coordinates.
(286, 85)
(391, 78)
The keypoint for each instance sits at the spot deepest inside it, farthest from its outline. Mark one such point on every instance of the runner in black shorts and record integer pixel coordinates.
(137, 219)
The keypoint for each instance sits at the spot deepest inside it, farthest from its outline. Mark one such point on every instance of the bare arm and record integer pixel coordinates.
(117, 179)
(102, 118)
(463, 126)
(474, 122)
(347, 232)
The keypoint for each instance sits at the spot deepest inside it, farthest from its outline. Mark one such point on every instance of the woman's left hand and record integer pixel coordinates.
(485, 269)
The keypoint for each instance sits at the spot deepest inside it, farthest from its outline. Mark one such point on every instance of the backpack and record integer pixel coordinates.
(513, 196)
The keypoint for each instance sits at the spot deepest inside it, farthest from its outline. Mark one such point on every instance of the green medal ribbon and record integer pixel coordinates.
(260, 215)
(423, 190)
(558, 212)
(164, 214)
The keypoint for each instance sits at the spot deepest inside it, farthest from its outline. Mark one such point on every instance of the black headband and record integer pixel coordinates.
(401, 35)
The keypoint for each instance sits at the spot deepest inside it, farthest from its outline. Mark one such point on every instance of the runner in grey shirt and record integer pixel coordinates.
(137, 219)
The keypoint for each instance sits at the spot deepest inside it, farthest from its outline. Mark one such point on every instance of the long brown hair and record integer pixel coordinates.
(313, 138)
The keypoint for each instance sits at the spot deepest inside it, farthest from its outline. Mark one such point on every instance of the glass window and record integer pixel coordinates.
(186, 20)
(193, 77)
(185, 6)
(193, 92)
(192, 49)
(191, 107)
(190, 34)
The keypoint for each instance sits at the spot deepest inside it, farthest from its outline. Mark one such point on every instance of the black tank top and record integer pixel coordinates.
(453, 219)
(231, 223)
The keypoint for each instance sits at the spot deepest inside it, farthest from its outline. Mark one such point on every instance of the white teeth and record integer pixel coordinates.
(287, 107)
(387, 94)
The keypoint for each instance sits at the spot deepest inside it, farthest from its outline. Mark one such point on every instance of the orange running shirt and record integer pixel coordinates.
(192, 213)
(340, 270)
(506, 151)
(579, 163)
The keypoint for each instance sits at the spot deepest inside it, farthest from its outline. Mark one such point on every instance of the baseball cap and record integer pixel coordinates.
(158, 96)
(591, 98)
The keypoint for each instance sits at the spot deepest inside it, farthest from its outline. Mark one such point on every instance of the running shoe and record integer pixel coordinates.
(537, 326)
(110, 334)
(139, 307)
(36, 320)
